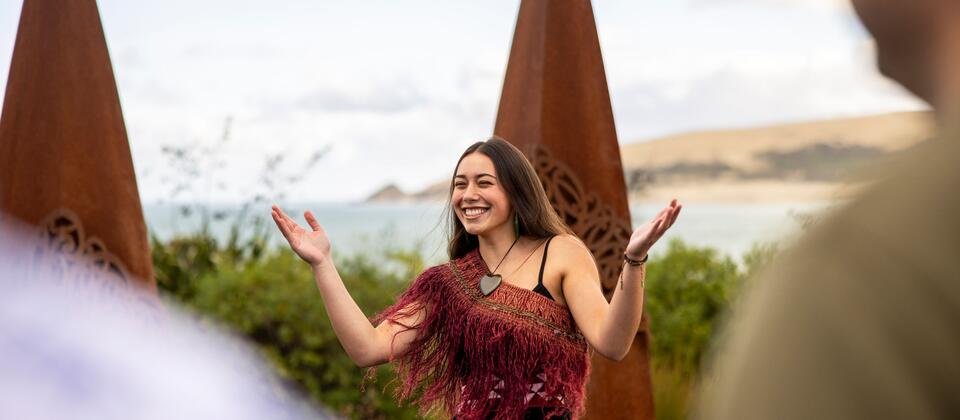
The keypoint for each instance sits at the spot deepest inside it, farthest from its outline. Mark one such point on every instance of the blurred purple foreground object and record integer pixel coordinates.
(69, 350)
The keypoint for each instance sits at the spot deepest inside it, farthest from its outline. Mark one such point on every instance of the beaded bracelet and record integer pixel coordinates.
(633, 262)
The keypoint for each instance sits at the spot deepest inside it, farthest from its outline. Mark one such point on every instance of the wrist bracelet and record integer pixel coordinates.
(634, 262)
(630, 261)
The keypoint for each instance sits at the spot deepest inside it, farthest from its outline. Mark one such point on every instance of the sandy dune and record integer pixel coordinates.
(815, 161)
(740, 148)
(802, 162)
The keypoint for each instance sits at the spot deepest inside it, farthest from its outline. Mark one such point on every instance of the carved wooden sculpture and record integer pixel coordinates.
(555, 107)
(65, 162)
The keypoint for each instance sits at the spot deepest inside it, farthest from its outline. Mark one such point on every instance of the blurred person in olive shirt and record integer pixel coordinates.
(862, 318)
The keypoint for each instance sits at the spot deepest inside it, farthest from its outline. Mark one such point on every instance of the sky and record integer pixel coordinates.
(392, 92)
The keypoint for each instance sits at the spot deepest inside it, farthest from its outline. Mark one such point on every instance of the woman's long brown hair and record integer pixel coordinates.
(535, 216)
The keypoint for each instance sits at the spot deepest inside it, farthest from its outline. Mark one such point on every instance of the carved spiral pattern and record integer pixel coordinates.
(65, 254)
(603, 232)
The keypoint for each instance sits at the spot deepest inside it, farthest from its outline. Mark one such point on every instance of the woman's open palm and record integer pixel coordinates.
(311, 245)
(648, 233)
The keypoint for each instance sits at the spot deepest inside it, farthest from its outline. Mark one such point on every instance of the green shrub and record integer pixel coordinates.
(269, 297)
(688, 289)
(689, 292)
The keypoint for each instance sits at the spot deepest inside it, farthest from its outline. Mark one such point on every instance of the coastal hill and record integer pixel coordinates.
(811, 161)
(393, 194)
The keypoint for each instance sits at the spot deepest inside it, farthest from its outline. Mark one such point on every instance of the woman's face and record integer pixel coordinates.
(478, 198)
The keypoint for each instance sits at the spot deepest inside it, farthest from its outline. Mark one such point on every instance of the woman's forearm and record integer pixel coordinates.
(357, 335)
(624, 313)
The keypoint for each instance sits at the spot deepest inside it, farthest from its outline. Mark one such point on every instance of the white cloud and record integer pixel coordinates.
(734, 98)
(386, 98)
(398, 90)
(827, 5)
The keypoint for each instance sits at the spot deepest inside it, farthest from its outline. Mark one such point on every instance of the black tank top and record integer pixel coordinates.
(540, 289)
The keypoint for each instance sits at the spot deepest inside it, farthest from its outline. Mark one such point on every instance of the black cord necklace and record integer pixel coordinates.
(490, 282)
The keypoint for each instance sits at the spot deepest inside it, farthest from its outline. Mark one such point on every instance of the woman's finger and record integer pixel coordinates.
(652, 229)
(658, 229)
(278, 212)
(657, 218)
(281, 221)
(281, 224)
(662, 213)
(273, 216)
(281, 213)
(312, 221)
(676, 213)
(285, 216)
(651, 235)
(291, 224)
(672, 217)
(670, 220)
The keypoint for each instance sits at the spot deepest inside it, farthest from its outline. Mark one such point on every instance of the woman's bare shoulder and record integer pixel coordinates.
(566, 247)
(573, 257)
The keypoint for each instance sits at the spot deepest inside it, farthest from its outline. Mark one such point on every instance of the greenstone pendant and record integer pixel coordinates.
(489, 283)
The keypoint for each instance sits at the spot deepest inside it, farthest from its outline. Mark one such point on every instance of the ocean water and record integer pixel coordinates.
(732, 229)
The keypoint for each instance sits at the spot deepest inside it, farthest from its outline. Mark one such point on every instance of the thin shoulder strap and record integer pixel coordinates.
(544, 262)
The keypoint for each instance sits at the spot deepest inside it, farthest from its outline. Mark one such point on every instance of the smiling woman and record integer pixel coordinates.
(476, 343)
(493, 184)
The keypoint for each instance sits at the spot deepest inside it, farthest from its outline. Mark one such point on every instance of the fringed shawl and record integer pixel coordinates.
(474, 355)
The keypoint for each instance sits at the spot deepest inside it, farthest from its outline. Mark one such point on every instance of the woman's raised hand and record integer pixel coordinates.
(311, 245)
(648, 233)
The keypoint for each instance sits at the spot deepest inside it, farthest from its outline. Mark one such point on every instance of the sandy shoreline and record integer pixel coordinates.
(721, 191)
(747, 192)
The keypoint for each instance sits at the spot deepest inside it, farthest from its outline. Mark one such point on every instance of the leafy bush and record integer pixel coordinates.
(689, 292)
(271, 299)
(269, 296)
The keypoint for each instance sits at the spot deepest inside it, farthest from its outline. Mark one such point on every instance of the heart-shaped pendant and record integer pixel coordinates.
(489, 283)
